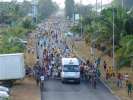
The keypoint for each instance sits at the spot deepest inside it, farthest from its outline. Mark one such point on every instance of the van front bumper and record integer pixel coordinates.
(71, 79)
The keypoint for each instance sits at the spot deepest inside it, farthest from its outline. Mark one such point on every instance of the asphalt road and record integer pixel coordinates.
(56, 90)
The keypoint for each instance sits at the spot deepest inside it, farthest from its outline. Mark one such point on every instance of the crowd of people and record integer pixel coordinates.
(121, 80)
(90, 72)
(49, 62)
(57, 48)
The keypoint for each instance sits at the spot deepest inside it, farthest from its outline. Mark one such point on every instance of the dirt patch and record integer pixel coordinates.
(26, 90)
(30, 52)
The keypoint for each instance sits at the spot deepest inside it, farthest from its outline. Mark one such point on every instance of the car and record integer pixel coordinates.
(5, 89)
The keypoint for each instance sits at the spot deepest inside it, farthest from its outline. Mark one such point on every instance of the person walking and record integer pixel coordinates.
(119, 80)
(98, 61)
(37, 78)
(105, 65)
(126, 78)
(82, 70)
(130, 88)
(95, 81)
(107, 74)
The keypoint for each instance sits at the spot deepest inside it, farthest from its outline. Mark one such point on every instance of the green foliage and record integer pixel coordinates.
(27, 23)
(127, 3)
(98, 31)
(9, 43)
(11, 12)
(76, 29)
(46, 8)
(14, 15)
(69, 8)
(124, 54)
(84, 10)
(25, 8)
(129, 25)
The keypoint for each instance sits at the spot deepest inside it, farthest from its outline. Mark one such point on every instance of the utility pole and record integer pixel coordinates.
(101, 5)
(92, 39)
(34, 10)
(113, 36)
(81, 26)
(122, 3)
(96, 7)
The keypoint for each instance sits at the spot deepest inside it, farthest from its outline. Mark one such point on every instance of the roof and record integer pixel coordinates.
(70, 61)
(11, 54)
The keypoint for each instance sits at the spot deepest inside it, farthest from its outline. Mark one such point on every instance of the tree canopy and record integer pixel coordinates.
(46, 8)
(98, 32)
(69, 8)
(126, 3)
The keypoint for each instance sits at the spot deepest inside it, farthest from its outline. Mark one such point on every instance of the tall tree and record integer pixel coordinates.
(69, 8)
(84, 10)
(13, 11)
(127, 3)
(26, 8)
(46, 8)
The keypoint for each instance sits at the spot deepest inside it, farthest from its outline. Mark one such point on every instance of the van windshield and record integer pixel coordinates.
(71, 68)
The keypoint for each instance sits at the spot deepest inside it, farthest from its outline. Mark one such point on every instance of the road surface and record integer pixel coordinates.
(55, 90)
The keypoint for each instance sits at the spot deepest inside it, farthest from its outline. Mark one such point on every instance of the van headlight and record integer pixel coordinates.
(62, 74)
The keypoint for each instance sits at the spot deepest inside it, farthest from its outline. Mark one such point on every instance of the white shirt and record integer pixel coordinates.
(95, 65)
(126, 77)
(42, 78)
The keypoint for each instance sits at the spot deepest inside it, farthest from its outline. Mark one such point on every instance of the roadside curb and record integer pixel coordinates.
(110, 90)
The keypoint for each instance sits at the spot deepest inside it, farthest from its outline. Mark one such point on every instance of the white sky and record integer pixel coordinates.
(85, 2)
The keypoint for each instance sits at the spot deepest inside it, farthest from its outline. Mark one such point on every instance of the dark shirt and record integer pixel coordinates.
(129, 86)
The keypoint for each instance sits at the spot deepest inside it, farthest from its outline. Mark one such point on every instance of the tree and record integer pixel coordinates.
(124, 54)
(27, 23)
(46, 8)
(127, 3)
(9, 46)
(84, 10)
(14, 12)
(99, 30)
(129, 25)
(11, 12)
(69, 8)
(25, 8)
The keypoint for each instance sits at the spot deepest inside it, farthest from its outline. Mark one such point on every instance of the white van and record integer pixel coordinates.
(4, 95)
(70, 70)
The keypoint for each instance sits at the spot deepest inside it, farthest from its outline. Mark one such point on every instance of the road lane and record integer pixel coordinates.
(55, 90)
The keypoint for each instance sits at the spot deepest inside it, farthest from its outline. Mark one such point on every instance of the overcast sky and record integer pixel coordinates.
(61, 2)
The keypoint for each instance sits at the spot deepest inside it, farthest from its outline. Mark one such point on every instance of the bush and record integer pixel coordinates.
(9, 41)
(27, 23)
